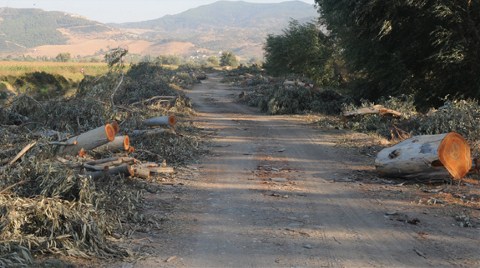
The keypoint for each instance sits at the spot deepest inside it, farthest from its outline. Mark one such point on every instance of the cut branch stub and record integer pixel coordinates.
(426, 156)
(161, 121)
(89, 140)
(454, 153)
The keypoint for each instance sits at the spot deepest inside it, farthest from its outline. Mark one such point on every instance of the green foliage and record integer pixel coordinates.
(27, 28)
(213, 61)
(114, 58)
(461, 116)
(63, 57)
(40, 85)
(169, 60)
(427, 48)
(228, 59)
(385, 126)
(302, 49)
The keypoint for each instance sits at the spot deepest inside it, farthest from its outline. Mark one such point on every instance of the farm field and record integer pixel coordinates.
(69, 70)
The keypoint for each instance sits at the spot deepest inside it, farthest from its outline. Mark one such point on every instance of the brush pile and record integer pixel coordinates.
(291, 95)
(71, 168)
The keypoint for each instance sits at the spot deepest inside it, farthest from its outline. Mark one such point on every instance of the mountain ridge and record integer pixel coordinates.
(237, 26)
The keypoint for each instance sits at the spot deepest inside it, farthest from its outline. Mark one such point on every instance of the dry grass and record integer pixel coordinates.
(69, 70)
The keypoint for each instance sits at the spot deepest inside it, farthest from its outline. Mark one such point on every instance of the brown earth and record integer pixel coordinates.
(277, 192)
(90, 45)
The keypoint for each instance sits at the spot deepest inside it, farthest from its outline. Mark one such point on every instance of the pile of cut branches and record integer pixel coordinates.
(65, 187)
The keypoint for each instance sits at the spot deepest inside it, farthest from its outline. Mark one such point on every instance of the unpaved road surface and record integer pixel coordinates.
(276, 192)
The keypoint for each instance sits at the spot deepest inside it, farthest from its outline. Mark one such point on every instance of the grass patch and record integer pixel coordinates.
(69, 70)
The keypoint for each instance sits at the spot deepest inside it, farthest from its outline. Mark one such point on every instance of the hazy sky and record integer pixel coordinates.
(119, 10)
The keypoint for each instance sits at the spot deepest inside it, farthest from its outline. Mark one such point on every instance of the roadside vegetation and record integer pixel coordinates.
(49, 206)
(362, 53)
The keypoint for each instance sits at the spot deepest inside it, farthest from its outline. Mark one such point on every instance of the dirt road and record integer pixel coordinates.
(275, 192)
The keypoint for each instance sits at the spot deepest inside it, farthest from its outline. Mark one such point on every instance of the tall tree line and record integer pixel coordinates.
(428, 48)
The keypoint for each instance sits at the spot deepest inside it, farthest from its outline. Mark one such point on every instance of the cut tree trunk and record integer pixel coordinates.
(149, 132)
(119, 144)
(89, 140)
(426, 157)
(161, 121)
(124, 169)
(376, 109)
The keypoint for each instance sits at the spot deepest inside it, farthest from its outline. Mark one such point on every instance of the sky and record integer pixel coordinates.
(119, 10)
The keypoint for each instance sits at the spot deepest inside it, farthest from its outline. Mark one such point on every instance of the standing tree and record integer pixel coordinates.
(63, 57)
(427, 48)
(302, 49)
(228, 59)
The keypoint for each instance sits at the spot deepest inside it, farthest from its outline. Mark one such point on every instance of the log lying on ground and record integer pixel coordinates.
(114, 161)
(161, 121)
(123, 169)
(376, 109)
(149, 132)
(89, 140)
(146, 170)
(426, 157)
(119, 144)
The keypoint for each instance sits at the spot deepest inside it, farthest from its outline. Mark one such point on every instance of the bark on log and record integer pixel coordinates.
(161, 121)
(376, 109)
(142, 172)
(426, 156)
(112, 161)
(162, 170)
(122, 169)
(89, 140)
(119, 144)
(148, 132)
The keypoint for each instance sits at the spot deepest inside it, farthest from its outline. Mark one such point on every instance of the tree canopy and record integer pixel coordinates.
(302, 49)
(427, 48)
(228, 59)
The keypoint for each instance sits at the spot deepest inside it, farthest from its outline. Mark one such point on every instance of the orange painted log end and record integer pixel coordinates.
(126, 143)
(110, 132)
(454, 153)
(172, 120)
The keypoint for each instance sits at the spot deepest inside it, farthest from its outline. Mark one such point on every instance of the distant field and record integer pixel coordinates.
(70, 70)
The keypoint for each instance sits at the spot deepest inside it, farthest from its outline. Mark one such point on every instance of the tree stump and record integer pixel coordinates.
(426, 156)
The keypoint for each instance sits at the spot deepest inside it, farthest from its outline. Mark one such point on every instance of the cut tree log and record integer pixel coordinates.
(161, 121)
(376, 109)
(119, 144)
(426, 156)
(113, 161)
(142, 172)
(149, 132)
(89, 140)
(123, 169)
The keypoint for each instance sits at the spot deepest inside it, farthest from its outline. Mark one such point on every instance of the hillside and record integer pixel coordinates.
(28, 28)
(237, 26)
(237, 14)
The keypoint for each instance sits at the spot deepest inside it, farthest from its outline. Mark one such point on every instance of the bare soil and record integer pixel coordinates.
(274, 191)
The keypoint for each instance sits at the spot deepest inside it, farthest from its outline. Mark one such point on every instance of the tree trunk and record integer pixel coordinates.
(89, 140)
(122, 169)
(161, 121)
(426, 156)
(119, 144)
(376, 109)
